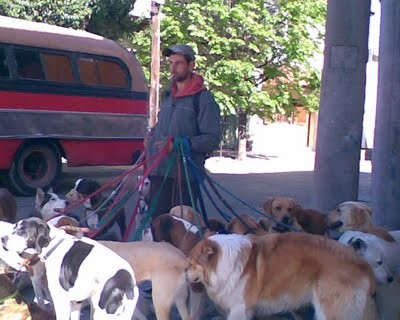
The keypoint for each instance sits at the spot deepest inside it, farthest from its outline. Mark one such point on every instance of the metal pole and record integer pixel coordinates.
(155, 62)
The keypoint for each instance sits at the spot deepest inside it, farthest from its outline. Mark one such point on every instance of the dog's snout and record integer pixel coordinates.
(390, 279)
(286, 219)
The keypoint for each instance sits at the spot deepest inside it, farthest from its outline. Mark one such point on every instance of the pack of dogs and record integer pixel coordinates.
(275, 267)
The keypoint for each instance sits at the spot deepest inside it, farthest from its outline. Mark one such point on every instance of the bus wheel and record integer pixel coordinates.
(35, 165)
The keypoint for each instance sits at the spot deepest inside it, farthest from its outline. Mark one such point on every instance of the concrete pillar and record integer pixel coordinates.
(336, 174)
(385, 197)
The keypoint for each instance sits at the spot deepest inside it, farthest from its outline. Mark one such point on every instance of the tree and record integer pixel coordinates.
(108, 18)
(256, 55)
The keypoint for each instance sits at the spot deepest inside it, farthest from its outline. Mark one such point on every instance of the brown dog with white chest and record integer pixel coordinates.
(250, 276)
(287, 211)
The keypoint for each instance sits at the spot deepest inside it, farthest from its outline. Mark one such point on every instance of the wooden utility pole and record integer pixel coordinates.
(155, 62)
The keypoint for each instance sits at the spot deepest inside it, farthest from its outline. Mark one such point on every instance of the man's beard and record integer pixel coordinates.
(180, 78)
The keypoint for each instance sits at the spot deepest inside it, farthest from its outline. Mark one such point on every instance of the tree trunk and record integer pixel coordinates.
(242, 135)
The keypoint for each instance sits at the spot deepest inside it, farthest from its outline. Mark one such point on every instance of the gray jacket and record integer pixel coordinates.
(181, 117)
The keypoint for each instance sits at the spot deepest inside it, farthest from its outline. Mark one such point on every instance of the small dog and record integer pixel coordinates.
(287, 211)
(84, 188)
(77, 270)
(14, 306)
(251, 276)
(8, 206)
(251, 225)
(382, 255)
(169, 283)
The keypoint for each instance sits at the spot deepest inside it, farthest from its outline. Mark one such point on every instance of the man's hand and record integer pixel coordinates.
(160, 144)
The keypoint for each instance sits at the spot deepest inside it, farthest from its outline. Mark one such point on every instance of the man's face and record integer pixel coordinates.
(180, 68)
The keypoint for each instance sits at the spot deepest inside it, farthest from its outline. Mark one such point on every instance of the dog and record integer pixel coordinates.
(189, 214)
(48, 204)
(251, 276)
(86, 187)
(14, 306)
(287, 211)
(77, 271)
(8, 206)
(355, 216)
(176, 231)
(250, 225)
(169, 283)
(382, 255)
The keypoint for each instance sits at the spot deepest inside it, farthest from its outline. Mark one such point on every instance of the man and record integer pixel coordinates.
(187, 110)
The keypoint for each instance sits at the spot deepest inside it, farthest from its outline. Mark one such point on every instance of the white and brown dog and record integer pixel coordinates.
(93, 213)
(76, 271)
(249, 276)
(288, 212)
(382, 254)
(169, 283)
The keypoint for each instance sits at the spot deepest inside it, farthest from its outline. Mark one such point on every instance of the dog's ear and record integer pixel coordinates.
(42, 237)
(39, 197)
(207, 252)
(50, 190)
(357, 244)
(268, 205)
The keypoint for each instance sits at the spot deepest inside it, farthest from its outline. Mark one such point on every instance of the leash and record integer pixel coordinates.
(160, 155)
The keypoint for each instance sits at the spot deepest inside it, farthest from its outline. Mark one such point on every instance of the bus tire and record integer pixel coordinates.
(35, 165)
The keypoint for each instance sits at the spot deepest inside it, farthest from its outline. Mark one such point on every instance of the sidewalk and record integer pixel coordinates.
(261, 176)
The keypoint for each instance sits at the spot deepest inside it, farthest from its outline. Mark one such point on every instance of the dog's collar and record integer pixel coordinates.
(48, 253)
(11, 296)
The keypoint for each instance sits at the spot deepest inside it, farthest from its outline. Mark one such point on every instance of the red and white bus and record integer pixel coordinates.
(66, 93)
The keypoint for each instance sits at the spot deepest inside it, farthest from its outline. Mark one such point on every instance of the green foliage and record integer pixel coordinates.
(256, 55)
(109, 18)
(66, 13)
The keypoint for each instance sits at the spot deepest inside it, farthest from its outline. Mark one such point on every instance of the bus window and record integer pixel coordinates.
(58, 67)
(111, 74)
(87, 71)
(29, 65)
(4, 72)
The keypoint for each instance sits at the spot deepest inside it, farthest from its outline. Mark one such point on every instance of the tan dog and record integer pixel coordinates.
(350, 215)
(8, 206)
(355, 216)
(250, 226)
(287, 211)
(250, 276)
(165, 267)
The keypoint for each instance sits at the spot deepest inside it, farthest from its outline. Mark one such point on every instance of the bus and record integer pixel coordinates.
(69, 94)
